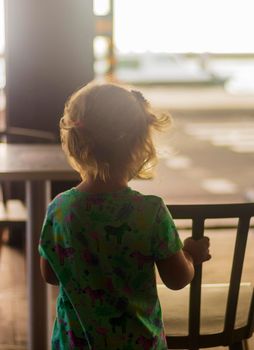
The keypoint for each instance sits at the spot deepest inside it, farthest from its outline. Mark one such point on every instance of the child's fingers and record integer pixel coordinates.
(205, 239)
(199, 249)
(206, 245)
(207, 258)
(204, 242)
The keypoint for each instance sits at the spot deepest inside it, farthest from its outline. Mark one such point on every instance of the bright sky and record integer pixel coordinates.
(184, 25)
(1, 25)
(179, 25)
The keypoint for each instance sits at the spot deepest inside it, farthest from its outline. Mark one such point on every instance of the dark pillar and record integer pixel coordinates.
(49, 54)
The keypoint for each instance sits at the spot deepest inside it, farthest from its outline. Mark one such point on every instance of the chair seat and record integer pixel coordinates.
(175, 306)
(14, 211)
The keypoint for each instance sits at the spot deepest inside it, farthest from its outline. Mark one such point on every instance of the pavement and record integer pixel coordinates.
(198, 98)
(208, 154)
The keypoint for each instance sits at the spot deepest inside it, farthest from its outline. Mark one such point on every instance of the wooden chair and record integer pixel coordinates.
(12, 213)
(13, 216)
(228, 304)
(12, 210)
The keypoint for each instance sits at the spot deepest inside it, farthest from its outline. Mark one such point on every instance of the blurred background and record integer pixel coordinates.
(192, 58)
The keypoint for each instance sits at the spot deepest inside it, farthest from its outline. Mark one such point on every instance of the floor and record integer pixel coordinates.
(13, 301)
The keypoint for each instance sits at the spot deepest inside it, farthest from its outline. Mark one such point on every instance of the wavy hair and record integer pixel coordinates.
(107, 128)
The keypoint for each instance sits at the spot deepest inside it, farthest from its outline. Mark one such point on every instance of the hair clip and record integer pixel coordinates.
(78, 124)
(139, 96)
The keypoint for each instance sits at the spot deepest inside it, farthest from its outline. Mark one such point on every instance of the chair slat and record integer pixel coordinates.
(251, 316)
(236, 273)
(211, 211)
(195, 288)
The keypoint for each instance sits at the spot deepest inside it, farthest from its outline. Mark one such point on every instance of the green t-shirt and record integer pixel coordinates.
(103, 248)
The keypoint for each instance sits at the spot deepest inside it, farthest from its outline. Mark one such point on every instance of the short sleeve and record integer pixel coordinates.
(166, 240)
(46, 234)
(53, 244)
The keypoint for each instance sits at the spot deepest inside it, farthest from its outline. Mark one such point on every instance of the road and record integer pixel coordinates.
(207, 156)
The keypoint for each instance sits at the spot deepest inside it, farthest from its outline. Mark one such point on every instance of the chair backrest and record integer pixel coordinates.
(198, 214)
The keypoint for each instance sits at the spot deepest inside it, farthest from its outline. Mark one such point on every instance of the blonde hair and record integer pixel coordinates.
(107, 128)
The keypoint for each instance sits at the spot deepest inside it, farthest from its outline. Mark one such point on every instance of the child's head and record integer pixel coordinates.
(107, 129)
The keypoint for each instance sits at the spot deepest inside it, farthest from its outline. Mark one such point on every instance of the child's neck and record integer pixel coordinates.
(100, 186)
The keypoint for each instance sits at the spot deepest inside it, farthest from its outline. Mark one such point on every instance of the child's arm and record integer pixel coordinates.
(47, 272)
(177, 270)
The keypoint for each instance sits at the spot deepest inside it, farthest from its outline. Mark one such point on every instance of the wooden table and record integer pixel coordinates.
(36, 165)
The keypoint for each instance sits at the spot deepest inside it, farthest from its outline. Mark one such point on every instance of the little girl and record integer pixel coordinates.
(100, 241)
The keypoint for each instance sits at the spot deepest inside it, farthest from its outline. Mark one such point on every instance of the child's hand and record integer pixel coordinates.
(198, 249)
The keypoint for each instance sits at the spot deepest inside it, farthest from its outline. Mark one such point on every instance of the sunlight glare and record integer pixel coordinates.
(183, 26)
(2, 32)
